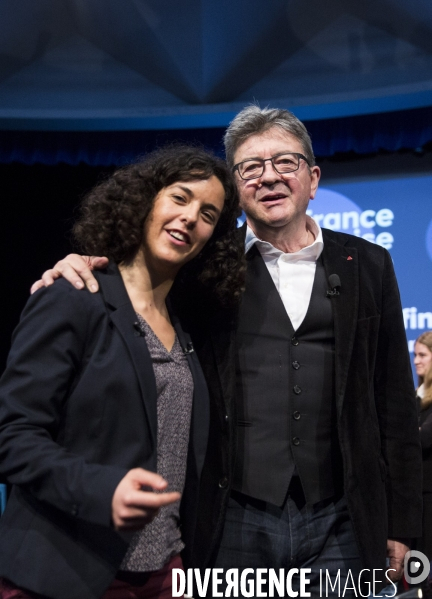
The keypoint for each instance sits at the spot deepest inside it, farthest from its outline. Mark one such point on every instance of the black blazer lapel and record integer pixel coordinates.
(222, 341)
(342, 260)
(201, 401)
(124, 318)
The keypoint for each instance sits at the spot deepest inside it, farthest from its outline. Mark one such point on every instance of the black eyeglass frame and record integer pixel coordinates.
(264, 160)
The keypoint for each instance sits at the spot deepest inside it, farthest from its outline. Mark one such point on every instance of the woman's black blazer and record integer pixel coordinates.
(77, 411)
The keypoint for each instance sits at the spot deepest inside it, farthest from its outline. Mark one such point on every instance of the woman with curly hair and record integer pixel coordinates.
(103, 402)
(423, 366)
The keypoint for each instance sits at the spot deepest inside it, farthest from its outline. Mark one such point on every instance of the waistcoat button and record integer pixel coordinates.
(223, 483)
(294, 341)
(297, 390)
(296, 415)
(295, 365)
(296, 441)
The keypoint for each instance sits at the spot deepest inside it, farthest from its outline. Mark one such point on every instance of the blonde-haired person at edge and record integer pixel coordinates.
(423, 366)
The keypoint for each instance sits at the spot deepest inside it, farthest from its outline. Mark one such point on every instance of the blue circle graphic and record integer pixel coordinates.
(337, 212)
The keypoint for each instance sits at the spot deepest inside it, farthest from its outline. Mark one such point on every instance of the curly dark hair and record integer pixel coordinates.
(112, 216)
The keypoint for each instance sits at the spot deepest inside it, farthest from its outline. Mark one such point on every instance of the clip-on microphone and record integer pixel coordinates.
(335, 284)
(189, 349)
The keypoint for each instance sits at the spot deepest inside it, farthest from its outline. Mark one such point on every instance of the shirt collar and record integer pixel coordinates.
(310, 253)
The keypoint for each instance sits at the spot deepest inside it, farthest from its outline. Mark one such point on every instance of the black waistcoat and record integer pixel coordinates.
(286, 413)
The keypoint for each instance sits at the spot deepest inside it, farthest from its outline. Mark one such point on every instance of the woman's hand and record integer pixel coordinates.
(74, 268)
(133, 508)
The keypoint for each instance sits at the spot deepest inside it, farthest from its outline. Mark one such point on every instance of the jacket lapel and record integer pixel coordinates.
(125, 320)
(342, 260)
(201, 401)
(223, 338)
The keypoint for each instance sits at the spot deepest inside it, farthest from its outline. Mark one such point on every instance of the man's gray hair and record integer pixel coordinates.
(254, 120)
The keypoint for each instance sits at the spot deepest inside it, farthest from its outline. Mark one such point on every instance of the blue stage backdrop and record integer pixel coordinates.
(397, 214)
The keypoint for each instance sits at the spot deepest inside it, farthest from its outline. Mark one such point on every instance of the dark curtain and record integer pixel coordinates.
(391, 131)
(37, 210)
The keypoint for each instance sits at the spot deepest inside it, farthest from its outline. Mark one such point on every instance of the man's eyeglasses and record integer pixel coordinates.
(287, 162)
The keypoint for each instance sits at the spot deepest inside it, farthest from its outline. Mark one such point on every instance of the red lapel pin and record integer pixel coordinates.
(349, 258)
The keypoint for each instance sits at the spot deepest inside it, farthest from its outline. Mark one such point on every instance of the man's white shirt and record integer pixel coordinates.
(293, 274)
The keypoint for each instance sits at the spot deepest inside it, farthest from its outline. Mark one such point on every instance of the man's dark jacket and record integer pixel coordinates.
(376, 411)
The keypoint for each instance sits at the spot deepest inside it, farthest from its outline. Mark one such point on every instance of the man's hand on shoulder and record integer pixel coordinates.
(396, 550)
(75, 269)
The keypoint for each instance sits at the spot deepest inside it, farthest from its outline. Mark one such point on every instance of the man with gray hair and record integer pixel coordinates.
(314, 459)
(327, 469)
